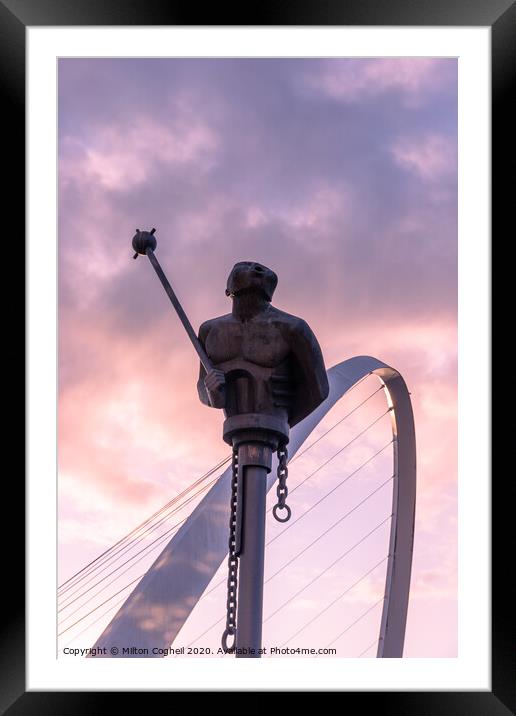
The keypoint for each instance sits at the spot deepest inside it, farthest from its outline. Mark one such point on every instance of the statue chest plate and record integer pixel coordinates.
(261, 343)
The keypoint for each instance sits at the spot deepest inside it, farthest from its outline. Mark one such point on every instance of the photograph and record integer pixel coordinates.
(277, 366)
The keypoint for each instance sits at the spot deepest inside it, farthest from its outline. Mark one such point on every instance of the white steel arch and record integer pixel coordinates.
(157, 608)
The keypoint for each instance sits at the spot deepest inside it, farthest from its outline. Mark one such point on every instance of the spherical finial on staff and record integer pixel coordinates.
(142, 241)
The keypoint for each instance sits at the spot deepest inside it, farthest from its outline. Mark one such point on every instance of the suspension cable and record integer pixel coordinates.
(324, 571)
(302, 551)
(362, 432)
(373, 643)
(65, 606)
(108, 554)
(300, 454)
(165, 534)
(335, 601)
(291, 524)
(137, 539)
(355, 622)
(67, 583)
(342, 482)
(78, 608)
(88, 626)
(305, 549)
(101, 605)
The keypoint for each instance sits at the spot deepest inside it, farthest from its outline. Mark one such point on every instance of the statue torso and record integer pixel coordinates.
(260, 341)
(254, 356)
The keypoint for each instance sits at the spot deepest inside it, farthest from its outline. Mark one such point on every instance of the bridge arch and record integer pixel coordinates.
(159, 605)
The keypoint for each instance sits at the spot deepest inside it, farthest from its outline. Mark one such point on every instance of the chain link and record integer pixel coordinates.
(232, 583)
(282, 489)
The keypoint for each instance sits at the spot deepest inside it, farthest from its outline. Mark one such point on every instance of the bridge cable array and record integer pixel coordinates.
(105, 556)
(317, 539)
(76, 587)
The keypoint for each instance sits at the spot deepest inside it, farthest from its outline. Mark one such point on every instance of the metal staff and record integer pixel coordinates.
(144, 243)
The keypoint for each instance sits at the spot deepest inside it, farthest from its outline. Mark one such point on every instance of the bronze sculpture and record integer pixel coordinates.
(265, 369)
(268, 374)
(265, 360)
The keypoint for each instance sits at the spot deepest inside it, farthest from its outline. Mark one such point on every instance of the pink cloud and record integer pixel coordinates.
(431, 157)
(121, 158)
(353, 80)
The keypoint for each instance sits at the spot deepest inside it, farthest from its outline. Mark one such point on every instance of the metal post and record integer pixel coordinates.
(254, 464)
(255, 437)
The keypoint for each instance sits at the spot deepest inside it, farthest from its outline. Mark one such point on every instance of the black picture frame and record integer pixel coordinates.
(16, 16)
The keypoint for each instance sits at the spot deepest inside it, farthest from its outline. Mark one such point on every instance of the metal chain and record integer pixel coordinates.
(282, 489)
(232, 582)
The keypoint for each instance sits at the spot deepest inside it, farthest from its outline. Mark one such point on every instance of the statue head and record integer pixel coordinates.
(247, 276)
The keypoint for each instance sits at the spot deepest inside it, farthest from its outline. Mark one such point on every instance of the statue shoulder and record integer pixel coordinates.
(292, 324)
(211, 323)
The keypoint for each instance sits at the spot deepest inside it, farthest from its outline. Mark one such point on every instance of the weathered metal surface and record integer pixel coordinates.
(142, 241)
(253, 427)
(399, 565)
(254, 463)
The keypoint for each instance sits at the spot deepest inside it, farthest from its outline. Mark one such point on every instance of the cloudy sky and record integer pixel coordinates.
(340, 174)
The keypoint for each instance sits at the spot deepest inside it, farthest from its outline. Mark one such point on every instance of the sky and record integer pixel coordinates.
(341, 176)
